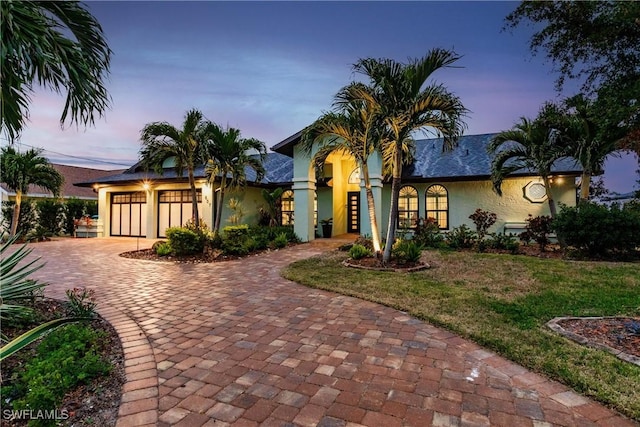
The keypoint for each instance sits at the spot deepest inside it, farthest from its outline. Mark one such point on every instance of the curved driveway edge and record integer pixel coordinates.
(234, 343)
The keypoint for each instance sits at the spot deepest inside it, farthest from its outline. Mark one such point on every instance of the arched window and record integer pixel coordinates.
(408, 207)
(438, 205)
(287, 207)
(354, 177)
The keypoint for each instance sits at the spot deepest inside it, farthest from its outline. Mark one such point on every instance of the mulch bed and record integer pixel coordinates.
(208, 256)
(609, 331)
(371, 263)
(92, 404)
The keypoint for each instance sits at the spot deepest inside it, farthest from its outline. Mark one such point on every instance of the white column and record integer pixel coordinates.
(152, 213)
(303, 195)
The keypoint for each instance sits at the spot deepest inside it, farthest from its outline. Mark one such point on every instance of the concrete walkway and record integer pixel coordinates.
(233, 343)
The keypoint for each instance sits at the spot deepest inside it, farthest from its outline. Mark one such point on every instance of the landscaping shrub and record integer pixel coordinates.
(74, 208)
(407, 251)
(359, 251)
(184, 241)
(65, 358)
(599, 230)
(234, 238)
(483, 221)
(538, 229)
(251, 245)
(502, 241)
(280, 241)
(270, 233)
(154, 247)
(427, 233)
(50, 215)
(163, 249)
(38, 234)
(461, 237)
(27, 221)
(90, 207)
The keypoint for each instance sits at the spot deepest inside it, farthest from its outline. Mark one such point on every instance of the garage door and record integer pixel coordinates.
(128, 214)
(175, 209)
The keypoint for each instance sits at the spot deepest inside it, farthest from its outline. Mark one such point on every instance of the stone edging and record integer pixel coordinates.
(346, 263)
(553, 324)
(139, 399)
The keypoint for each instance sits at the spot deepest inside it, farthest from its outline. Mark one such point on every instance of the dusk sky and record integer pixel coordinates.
(271, 68)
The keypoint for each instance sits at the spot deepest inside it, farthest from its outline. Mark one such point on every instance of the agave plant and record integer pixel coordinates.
(15, 289)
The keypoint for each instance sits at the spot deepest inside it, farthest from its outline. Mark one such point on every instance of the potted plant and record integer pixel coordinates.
(327, 226)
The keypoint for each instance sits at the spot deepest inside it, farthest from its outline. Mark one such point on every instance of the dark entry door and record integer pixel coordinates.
(353, 212)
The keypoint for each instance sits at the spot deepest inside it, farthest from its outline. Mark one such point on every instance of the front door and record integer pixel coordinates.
(353, 212)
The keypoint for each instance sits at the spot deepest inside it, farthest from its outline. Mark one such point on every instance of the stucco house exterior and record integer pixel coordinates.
(448, 186)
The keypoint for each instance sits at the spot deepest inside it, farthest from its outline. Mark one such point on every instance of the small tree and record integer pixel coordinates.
(483, 221)
(270, 211)
(21, 170)
(538, 229)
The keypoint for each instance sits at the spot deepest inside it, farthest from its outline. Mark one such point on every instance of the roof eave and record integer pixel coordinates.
(286, 146)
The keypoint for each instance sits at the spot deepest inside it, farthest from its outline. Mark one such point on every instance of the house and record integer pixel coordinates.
(448, 186)
(71, 174)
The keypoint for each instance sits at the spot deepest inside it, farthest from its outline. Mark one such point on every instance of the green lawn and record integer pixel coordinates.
(503, 302)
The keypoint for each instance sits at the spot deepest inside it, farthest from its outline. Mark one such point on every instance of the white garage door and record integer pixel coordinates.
(175, 209)
(128, 214)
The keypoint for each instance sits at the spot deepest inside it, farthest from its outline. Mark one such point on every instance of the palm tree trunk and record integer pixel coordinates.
(371, 206)
(584, 185)
(194, 199)
(552, 202)
(393, 210)
(223, 183)
(16, 213)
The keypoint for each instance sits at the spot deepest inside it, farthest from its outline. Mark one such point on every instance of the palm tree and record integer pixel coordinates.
(161, 141)
(270, 211)
(226, 155)
(590, 143)
(353, 129)
(531, 144)
(55, 44)
(20, 170)
(406, 105)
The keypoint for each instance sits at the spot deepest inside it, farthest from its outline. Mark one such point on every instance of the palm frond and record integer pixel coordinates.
(57, 45)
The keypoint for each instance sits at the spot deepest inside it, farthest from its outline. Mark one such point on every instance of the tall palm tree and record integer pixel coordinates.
(227, 156)
(20, 170)
(161, 141)
(407, 103)
(57, 44)
(354, 128)
(530, 144)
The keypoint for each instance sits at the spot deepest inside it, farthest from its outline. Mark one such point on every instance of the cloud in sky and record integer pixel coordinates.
(271, 68)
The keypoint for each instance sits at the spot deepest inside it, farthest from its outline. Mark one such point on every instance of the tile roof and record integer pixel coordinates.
(279, 170)
(71, 174)
(470, 160)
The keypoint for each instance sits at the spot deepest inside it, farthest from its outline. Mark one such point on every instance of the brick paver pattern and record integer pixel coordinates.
(233, 343)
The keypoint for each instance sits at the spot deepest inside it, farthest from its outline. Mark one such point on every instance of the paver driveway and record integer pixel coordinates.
(234, 343)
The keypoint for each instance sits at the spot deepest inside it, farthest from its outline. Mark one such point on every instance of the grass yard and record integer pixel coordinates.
(503, 302)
